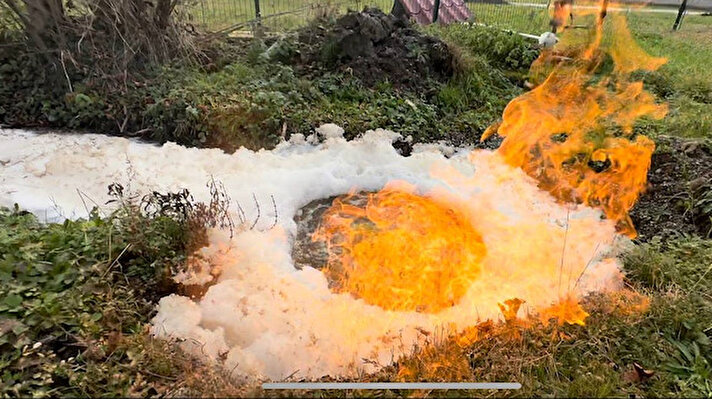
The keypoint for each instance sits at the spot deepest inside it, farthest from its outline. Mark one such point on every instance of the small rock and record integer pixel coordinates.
(690, 147)
(698, 183)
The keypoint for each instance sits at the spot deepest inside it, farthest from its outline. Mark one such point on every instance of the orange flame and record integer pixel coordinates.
(567, 310)
(401, 251)
(574, 132)
(562, 11)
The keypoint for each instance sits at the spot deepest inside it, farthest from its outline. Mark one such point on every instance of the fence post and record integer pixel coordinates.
(680, 13)
(436, 10)
(603, 12)
(258, 13)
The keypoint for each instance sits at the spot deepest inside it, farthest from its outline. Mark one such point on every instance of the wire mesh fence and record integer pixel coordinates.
(527, 16)
(272, 15)
(284, 15)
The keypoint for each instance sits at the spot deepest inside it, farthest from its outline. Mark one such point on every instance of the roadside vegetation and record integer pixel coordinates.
(76, 297)
(254, 92)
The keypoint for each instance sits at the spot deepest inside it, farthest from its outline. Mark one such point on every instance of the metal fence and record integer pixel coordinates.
(272, 15)
(284, 15)
(527, 16)
(644, 16)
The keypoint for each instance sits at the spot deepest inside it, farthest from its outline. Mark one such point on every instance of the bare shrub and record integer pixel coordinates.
(106, 39)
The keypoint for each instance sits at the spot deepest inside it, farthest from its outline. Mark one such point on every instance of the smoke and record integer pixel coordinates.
(262, 317)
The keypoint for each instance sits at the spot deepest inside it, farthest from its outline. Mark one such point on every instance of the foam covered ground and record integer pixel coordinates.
(265, 319)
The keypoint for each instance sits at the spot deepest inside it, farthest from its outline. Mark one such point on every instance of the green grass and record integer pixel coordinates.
(684, 82)
(689, 50)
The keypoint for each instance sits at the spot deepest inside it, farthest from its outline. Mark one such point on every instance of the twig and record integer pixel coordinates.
(701, 278)
(64, 68)
(257, 205)
(274, 205)
(174, 388)
(595, 251)
(57, 208)
(86, 208)
(92, 201)
(292, 375)
(111, 230)
(233, 369)
(240, 213)
(116, 260)
(122, 127)
(139, 132)
(161, 376)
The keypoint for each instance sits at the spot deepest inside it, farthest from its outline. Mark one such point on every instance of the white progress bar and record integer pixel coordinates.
(391, 385)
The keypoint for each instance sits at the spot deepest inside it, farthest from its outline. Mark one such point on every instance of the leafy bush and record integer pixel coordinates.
(75, 297)
(62, 290)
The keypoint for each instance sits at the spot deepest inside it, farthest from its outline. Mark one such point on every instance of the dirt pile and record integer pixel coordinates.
(679, 195)
(375, 47)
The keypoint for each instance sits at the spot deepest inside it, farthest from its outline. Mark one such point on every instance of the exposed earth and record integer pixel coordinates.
(375, 47)
(679, 196)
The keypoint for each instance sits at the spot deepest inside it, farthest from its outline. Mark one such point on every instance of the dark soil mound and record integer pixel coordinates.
(375, 47)
(679, 196)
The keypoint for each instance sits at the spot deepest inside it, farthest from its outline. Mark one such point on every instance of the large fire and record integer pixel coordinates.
(402, 251)
(474, 238)
(573, 134)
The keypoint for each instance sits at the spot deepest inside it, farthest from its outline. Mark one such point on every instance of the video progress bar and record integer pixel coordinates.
(391, 385)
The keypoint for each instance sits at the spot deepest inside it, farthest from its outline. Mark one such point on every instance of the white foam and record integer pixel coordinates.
(265, 319)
